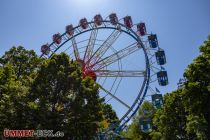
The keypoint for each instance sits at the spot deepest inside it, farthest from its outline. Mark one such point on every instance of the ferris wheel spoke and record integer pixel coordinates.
(91, 43)
(76, 51)
(114, 97)
(117, 56)
(119, 73)
(105, 46)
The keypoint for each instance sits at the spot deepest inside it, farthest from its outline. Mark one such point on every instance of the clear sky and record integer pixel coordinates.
(181, 25)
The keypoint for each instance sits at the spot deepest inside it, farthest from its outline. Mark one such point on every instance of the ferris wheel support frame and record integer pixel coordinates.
(121, 28)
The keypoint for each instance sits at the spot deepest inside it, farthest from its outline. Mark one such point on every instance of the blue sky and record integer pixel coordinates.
(181, 25)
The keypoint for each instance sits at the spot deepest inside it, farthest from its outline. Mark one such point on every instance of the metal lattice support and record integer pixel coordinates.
(98, 56)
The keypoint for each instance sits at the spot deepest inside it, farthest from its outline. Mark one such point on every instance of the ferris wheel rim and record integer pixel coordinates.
(144, 86)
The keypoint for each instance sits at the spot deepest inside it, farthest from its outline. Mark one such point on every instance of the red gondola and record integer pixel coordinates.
(45, 49)
(84, 23)
(98, 19)
(57, 38)
(113, 18)
(128, 21)
(141, 29)
(70, 30)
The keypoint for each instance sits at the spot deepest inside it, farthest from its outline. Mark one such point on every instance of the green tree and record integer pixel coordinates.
(24, 61)
(16, 67)
(49, 94)
(169, 122)
(12, 99)
(186, 111)
(109, 116)
(197, 93)
(62, 100)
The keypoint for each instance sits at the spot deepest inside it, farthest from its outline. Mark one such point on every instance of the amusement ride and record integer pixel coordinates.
(120, 56)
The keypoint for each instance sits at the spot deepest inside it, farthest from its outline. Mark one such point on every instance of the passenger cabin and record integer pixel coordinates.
(157, 100)
(153, 41)
(113, 19)
(83, 23)
(128, 21)
(70, 30)
(57, 38)
(162, 78)
(145, 124)
(160, 57)
(98, 20)
(141, 28)
(45, 49)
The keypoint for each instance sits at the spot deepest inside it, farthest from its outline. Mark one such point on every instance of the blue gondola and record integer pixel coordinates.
(145, 124)
(153, 41)
(157, 100)
(162, 78)
(160, 57)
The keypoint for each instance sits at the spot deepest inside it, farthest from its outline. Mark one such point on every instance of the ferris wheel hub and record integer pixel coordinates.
(87, 71)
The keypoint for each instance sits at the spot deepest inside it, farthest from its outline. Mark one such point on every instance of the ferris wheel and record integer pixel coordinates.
(119, 55)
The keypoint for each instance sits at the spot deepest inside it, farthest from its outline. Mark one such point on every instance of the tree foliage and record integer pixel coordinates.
(70, 103)
(16, 68)
(12, 99)
(186, 111)
(197, 94)
(170, 121)
(23, 61)
(49, 94)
